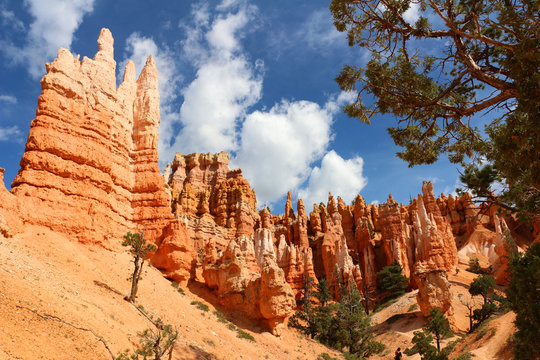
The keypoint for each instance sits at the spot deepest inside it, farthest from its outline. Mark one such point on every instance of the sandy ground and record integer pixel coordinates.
(397, 323)
(64, 300)
(47, 281)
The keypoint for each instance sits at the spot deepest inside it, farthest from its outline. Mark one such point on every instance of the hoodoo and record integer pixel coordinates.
(90, 172)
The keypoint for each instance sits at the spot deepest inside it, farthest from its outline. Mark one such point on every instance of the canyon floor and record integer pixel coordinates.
(60, 299)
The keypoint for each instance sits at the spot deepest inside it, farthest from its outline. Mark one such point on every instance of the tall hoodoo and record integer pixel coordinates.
(90, 164)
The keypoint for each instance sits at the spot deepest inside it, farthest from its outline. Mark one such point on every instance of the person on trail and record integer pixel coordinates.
(399, 355)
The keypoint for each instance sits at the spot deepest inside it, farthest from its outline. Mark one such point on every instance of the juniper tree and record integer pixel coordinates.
(440, 73)
(139, 248)
(391, 282)
(437, 326)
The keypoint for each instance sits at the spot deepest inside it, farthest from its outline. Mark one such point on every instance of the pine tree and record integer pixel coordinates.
(139, 248)
(391, 282)
(524, 296)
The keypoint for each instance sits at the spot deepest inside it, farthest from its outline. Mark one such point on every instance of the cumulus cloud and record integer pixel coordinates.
(342, 177)
(10, 133)
(53, 26)
(225, 85)
(279, 145)
(8, 99)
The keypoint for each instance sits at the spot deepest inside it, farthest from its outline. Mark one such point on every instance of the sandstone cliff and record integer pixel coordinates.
(90, 172)
(90, 164)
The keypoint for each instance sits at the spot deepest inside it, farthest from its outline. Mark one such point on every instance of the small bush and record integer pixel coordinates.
(200, 305)
(231, 326)
(412, 307)
(325, 356)
(465, 356)
(174, 284)
(181, 291)
(474, 266)
(392, 319)
(244, 335)
(221, 317)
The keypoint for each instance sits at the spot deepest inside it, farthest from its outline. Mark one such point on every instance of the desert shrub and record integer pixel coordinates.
(325, 356)
(220, 317)
(153, 343)
(200, 305)
(244, 335)
(474, 266)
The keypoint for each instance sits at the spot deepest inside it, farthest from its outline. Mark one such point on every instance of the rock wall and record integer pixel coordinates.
(90, 164)
(90, 171)
(337, 241)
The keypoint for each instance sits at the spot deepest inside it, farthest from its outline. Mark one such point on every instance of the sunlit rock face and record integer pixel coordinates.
(90, 164)
(250, 282)
(90, 172)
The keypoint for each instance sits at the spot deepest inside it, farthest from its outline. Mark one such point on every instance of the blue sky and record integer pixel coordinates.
(250, 77)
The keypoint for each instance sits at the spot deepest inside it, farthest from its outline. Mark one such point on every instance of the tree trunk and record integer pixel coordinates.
(134, 280)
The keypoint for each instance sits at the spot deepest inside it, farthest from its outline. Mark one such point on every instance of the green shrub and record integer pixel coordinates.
(325, 356)
(231, 326)
(200, 305)
(221, 317)
(244, 335)
(474, 266)
(465, 356)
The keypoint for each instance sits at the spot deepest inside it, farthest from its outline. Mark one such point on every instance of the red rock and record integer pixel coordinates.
(397, 242)
(260, 292)
(175, 256)
(297, 264)
(10, 221)
(434, 241)
(90, 164)
(433, 290)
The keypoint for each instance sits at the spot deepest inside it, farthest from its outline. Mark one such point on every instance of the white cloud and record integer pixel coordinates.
(275, 148)
(290, 137)
(8, 99)
(375, 202)
(278, 146)
(54, 24)
(432, 179)
(342, 177)
(225, 85)
(319, 31)
(413, 13)
(10, 133)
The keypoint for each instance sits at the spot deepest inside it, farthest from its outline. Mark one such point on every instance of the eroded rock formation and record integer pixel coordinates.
(90, 172)
(90, 164)
(255, 286)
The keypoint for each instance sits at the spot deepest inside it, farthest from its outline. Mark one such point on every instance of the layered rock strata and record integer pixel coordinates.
(252, 284)
(90, 164)
(90, 172)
